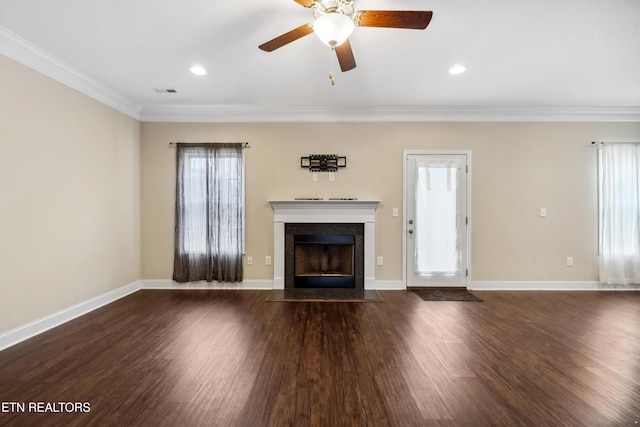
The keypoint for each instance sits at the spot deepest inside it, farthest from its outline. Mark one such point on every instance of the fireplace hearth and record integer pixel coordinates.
(322, 255)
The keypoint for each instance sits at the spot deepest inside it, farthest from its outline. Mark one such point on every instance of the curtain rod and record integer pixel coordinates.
(244, 144)
(612, 142)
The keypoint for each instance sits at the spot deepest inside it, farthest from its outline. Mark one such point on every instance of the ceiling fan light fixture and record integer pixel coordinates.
(333, 28)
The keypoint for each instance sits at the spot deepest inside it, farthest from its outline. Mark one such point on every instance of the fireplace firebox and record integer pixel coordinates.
(321, 255)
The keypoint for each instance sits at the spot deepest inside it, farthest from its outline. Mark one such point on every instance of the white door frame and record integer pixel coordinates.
(405, 199)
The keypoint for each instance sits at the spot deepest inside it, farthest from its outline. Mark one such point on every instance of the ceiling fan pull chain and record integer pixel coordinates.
(331, 59)
(332, 64)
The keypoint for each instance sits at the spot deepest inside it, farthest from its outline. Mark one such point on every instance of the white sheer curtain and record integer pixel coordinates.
(209, 232)
(619, 188)
(436, 226)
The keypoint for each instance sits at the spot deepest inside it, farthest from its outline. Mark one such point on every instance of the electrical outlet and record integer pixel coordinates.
(249, 260)
(332, 176)
(380, 260)
(314, 176)
(569, 261)
(267, 260)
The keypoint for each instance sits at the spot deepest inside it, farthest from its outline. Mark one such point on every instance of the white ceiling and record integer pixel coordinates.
(523, 58)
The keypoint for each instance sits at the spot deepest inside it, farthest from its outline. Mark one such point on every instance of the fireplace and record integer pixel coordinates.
(325, 213)
(320, 255)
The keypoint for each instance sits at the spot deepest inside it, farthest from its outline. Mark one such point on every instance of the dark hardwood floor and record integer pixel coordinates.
(230, 358)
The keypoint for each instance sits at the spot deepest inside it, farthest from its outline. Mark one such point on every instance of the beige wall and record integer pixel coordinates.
(70, 191)
(517, 169)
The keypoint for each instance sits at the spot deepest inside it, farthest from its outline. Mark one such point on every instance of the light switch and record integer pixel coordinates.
(332, 176)
(395, 212)
(543, 212)
(380, 261)
(314, 176)
(267, 260)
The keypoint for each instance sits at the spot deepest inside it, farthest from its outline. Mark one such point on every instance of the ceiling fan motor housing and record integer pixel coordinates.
(344, 7)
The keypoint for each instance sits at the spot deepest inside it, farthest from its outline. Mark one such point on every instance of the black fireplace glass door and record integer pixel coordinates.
(320, 255)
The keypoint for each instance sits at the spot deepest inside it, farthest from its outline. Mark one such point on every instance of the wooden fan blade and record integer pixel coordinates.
(345, 56)
(411, 19)
(287, 38)
(305, 3)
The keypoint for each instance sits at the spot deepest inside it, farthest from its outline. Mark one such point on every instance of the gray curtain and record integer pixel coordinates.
(209, 231)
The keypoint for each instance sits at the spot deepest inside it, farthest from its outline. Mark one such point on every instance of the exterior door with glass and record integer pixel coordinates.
(436, 218)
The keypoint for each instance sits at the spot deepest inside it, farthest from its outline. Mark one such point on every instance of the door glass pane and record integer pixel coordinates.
(436, 227)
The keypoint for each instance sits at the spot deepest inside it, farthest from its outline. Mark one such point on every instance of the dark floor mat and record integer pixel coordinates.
(445, 294)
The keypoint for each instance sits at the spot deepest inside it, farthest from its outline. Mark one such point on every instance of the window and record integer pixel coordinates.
(209, 240)
(619, 213)
(437, 248)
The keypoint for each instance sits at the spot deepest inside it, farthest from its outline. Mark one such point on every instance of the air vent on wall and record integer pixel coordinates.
(159, 90)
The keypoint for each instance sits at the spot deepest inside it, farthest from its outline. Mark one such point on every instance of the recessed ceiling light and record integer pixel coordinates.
(198, 70)
(457, 69)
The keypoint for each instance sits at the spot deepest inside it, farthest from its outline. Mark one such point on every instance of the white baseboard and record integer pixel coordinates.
(380, 285)
(389, 285)
(481, 285)
(244, 285)
(398, 285)
(29, 330)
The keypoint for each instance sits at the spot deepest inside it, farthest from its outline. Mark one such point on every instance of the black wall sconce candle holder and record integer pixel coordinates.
(323, 162)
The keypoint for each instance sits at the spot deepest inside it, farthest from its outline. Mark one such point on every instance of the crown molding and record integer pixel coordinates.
(30, 55)
(234, 113)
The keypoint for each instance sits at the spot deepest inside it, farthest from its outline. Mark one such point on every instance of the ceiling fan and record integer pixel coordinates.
(335, 20)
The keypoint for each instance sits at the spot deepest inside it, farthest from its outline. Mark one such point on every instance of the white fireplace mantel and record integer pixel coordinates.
(330, 212)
